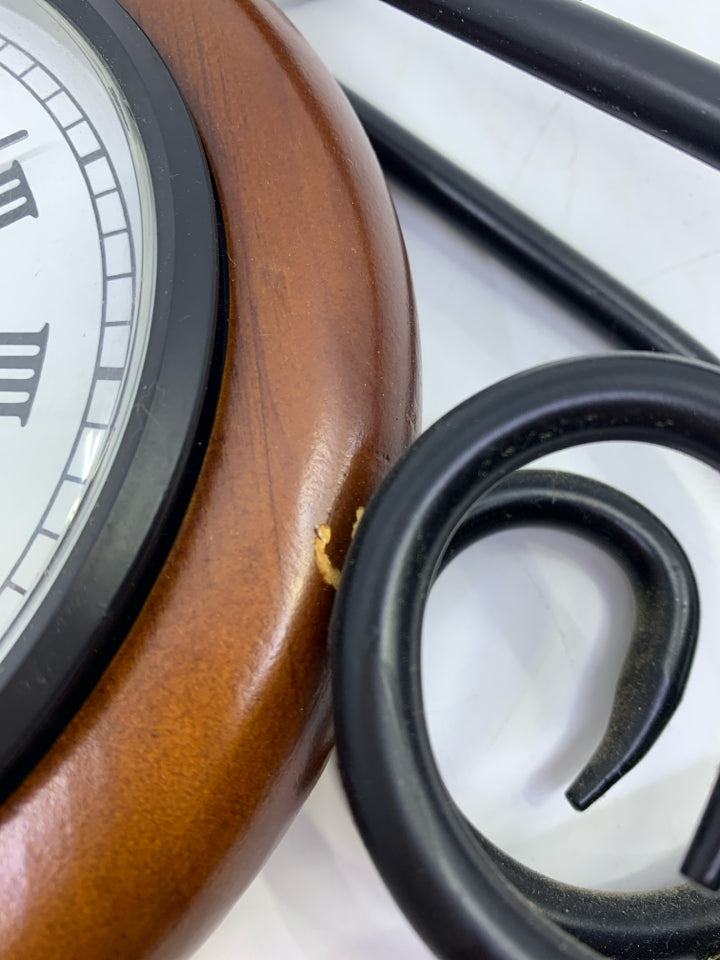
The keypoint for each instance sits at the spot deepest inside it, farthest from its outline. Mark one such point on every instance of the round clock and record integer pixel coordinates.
(207, 352)
(109, 333)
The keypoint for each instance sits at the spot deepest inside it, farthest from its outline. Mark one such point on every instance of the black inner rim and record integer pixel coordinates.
(107, 576)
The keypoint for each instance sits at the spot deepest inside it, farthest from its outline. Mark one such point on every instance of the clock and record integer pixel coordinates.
(207, 353)
(111, 330)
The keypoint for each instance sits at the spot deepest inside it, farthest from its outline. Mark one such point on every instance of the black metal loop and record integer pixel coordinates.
(596, 298)
(467, 898)
(451, 883)
(662, 646)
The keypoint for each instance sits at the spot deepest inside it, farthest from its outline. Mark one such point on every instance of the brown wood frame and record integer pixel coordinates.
(168, 789)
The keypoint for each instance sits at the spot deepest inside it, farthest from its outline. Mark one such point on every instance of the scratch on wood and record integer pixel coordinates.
(323, 536)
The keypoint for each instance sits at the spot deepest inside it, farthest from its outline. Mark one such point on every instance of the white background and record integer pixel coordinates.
(525, 634)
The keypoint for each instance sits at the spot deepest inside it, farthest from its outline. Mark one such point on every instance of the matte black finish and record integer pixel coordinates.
(661, 650)
(680, 922)
(449, 882)
(657, 86)
(674, 96)
(702, 862)
(443, 873)
(118, 553)
(596, 297)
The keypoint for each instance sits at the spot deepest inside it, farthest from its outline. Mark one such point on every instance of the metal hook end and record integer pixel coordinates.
(702, 862)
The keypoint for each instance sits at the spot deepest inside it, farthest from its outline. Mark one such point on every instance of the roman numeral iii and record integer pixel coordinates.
(21, 360)
(16, 199)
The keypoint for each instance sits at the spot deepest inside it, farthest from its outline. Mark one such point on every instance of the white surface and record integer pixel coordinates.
(525, 634)
(60, 268)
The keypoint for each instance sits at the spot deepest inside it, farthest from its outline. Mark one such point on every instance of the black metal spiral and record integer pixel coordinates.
(464, 896)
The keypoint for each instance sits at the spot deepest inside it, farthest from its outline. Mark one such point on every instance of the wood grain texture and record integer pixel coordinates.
(164, 795)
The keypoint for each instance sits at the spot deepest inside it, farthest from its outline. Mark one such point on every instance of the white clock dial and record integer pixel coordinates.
(77, 269)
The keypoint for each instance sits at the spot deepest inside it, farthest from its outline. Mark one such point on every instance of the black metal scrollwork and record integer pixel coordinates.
(456, 484)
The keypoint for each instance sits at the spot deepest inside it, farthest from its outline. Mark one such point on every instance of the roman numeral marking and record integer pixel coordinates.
(16, 137)
(21, 360)
(16, 199)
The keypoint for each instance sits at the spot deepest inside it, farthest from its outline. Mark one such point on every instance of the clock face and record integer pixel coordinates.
(78, 255)
(108, 348)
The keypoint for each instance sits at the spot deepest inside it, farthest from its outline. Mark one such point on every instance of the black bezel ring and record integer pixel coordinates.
(106, 577)
(464, 898)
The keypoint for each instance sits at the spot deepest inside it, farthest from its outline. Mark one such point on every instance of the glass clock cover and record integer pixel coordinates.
(106, 340)
(77, 248)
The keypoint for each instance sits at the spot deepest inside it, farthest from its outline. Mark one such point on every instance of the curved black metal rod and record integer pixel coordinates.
(629, 321)
(450, 885)
(674, 923)
(654, 85)
(661, 650)
(674, 96)
(580, 283)
(702, 862)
